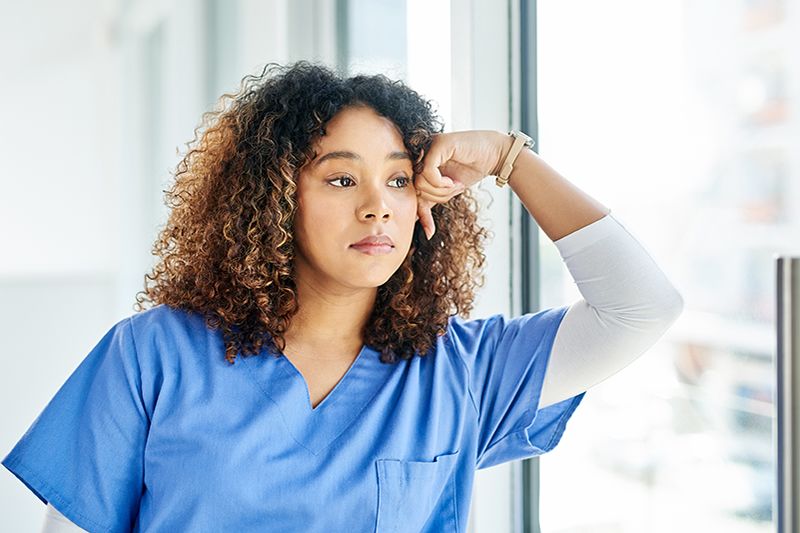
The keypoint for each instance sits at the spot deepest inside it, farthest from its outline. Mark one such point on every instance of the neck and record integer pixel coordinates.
(328, 321)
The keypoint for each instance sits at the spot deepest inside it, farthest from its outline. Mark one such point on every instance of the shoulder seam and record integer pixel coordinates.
(138, 366)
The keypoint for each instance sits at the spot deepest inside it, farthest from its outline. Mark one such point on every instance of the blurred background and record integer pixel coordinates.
(678, 115)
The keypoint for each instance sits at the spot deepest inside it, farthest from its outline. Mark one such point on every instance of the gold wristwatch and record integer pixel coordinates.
(520, 141)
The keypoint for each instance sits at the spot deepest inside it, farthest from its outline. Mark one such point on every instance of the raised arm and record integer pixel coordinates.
(628, 303)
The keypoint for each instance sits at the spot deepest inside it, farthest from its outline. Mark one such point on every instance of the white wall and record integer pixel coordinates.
(58, 246)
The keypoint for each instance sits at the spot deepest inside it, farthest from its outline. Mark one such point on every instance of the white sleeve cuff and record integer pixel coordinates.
(587, 235)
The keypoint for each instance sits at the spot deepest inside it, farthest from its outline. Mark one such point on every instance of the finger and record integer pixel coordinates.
(450, 184)
(436, 156)
(441, 193)
(423, 185)
(435, 198)
(426, 219)
(440, 198)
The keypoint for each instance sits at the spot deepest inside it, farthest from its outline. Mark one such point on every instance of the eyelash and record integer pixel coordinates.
(408, 180)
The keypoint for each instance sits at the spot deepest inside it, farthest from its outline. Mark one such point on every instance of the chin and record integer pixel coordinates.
(371, 277)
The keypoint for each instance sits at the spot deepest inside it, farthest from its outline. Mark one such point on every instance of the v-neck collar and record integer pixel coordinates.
(317, 428)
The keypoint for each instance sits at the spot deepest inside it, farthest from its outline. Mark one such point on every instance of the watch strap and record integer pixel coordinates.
(520, 141)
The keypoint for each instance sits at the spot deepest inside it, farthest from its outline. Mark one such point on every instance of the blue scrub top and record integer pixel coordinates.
(156, 431)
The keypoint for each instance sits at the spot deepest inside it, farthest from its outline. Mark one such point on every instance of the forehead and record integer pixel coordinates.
(355, 128)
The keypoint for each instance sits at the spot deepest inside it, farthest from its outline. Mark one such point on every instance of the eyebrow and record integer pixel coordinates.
(345, 154)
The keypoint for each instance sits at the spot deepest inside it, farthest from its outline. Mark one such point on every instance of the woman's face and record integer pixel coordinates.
(359, 184)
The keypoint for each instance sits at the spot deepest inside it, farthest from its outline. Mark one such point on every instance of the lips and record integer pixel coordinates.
(375, 240)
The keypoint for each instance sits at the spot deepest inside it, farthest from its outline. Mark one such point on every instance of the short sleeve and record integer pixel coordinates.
(84, 453)
(506, 360)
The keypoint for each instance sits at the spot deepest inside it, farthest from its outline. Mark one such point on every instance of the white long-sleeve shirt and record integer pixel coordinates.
(628, 304)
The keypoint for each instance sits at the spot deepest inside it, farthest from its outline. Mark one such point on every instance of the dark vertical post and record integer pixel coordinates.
(529, 234)
(787, 395)
(342, 35)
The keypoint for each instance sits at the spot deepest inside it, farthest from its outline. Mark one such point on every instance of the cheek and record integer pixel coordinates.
(406, 213)
(326, 224)
(409, 205)
(315, 209)
(320, 216)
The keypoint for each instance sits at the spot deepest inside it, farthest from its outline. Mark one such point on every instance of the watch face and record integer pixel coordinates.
(528, 140)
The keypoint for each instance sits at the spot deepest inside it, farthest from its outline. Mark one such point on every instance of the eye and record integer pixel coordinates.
(407, 181)
(342, 177)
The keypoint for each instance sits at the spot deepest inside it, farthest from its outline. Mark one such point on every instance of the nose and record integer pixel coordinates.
(374, 204)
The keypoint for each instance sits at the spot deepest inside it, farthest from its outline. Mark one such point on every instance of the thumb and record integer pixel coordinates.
(426, 220)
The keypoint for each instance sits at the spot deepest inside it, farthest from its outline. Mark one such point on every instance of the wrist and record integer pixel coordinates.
(526, 161)
(520, 142)
(503, 144)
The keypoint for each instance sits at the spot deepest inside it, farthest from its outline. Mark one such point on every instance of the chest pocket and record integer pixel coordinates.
(410, 491)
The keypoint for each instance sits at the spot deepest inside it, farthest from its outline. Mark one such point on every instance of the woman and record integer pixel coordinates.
(305, 367)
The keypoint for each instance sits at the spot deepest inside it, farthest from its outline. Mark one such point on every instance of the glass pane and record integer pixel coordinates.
(677, 116)
(376, 37)
(379, 40)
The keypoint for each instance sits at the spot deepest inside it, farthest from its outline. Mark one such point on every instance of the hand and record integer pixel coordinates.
(454, 162)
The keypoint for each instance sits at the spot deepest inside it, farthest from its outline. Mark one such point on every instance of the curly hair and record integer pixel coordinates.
(227, 248)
